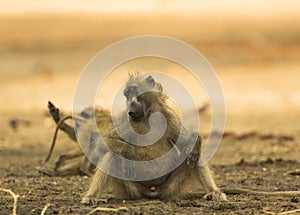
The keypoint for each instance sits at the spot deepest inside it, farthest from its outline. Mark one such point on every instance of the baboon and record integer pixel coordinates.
(139, 109)
(174, 184)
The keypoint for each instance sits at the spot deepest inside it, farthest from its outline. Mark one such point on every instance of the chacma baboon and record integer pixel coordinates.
(174, 184)
(140, 107)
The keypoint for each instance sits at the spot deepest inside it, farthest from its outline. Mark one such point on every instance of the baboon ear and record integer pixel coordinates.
(150, 81)
(159, 86)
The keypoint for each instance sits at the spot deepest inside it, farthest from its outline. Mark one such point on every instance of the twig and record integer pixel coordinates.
(283, 213)
(289, 212)
(293, 172)
(268, 212)
(108, 209)
(45, 208)
(15, 196)
(55, 136)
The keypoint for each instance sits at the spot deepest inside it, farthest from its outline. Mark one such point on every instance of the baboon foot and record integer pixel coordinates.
(49, 171)
(54, 112)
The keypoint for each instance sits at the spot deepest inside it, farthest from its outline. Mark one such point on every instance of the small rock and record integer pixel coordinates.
(295, 199)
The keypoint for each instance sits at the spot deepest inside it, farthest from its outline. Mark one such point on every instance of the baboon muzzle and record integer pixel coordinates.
(136, 110)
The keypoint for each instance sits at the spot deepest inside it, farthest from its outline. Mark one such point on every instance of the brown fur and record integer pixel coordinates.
(171, 185)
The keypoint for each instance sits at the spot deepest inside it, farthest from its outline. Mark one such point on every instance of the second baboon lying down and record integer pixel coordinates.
(145, 97)
(73, 162)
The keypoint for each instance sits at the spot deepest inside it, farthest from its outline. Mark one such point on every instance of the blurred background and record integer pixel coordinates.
(254, 47)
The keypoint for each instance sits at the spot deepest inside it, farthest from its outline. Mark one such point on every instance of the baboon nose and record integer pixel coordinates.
(132, 114)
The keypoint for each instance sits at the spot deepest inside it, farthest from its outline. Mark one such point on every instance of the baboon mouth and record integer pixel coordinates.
(138, 117)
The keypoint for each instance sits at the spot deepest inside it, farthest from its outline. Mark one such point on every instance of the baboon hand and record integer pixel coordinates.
(216, 196)
(85, 200)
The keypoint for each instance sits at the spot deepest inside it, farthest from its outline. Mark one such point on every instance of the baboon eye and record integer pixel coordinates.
(130, 92)
(151, 81)
(127, 94)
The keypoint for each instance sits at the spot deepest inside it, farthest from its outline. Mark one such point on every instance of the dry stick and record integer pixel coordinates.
(282, 213)
(289, 212)
(55, 136)
(241, 191)
(268, 212)
(261, 193)
(15, 196)
(45, 208)
(108, 209)
(293, 172)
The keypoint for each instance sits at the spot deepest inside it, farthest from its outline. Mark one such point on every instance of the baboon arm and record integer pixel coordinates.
(206, 179)
(99, 180)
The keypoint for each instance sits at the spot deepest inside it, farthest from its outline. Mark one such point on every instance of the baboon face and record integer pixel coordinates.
(135, 107)
(139, 94)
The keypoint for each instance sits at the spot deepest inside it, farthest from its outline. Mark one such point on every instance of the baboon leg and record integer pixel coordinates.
(176, 188)
(69, 130)
(99, 181)
(131, 191)
(54, 112)
(86, 166)
(76, 152)
(206, 179)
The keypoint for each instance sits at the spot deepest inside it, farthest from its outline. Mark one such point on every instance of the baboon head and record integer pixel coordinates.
(142, 93)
